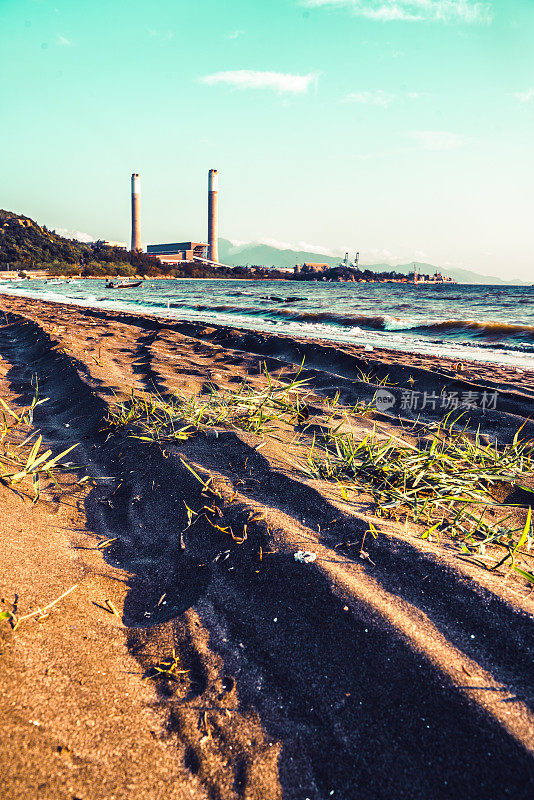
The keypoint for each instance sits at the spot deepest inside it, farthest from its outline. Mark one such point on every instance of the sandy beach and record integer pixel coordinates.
(391, 666)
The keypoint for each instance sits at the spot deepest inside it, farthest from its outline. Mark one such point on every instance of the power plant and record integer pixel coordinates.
(178, 251)
(213, 191)
(171, 253)
(136, 212)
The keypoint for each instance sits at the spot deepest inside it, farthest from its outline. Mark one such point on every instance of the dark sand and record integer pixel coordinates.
(406, 676)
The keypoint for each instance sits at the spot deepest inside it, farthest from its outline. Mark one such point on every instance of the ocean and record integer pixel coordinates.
(484, 323)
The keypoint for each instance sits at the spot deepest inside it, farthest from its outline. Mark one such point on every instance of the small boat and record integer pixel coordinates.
(123, 285)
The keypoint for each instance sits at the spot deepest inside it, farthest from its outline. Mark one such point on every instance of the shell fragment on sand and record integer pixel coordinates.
(304, 556)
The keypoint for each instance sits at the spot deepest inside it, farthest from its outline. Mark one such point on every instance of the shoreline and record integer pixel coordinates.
(449, 365)
(454, 349)
(444, 371)
(193, 540)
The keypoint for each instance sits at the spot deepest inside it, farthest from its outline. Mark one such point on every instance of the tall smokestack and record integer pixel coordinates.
(136, 212)
(213, 189)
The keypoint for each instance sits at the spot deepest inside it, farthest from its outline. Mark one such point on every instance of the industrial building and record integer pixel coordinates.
(172, 253)
(311, 267)
(179, 251)
(109, 243)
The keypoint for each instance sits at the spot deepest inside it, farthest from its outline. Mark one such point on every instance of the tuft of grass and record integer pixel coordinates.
(168, 669)
(21, 458)
(260, 411)
(372, 378)
(442, 485)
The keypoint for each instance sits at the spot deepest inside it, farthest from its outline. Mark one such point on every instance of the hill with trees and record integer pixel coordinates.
(25, 245)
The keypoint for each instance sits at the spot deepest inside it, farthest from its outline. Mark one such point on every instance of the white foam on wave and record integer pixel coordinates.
(395, 324)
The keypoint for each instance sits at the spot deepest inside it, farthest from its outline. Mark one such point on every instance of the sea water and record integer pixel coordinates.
(484, 323)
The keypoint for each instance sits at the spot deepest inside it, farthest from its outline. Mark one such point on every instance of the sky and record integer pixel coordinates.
(400, 128)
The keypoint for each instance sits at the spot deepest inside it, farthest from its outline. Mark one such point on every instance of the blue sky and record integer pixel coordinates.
(401, 128)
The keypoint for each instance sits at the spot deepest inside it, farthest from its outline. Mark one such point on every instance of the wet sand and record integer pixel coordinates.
(407, 674)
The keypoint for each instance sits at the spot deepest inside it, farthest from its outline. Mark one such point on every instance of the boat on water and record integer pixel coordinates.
(123, 284)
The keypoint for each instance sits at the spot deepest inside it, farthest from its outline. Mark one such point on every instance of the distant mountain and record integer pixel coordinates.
(268, 256)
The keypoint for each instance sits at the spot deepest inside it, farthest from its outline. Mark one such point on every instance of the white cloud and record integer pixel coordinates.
(437, 140)
(250, 79)
(162, 36)
(80, 236)
(463, 11)
(317, 248)
(524, 97)
(377, 98)
(234, 35)
(275, 243)
(63, 41)
(380, 256)
(381, 98)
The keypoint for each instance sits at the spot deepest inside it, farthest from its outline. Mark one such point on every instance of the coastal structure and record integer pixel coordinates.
(311, 266)
(213, 192)
(437, 277)
(350, 272)
(178, 251)
(136, 212)
(346, 264)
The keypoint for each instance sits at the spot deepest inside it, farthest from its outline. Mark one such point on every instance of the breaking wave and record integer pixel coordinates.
(487, 330)
(386, 322)
(463, 329)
